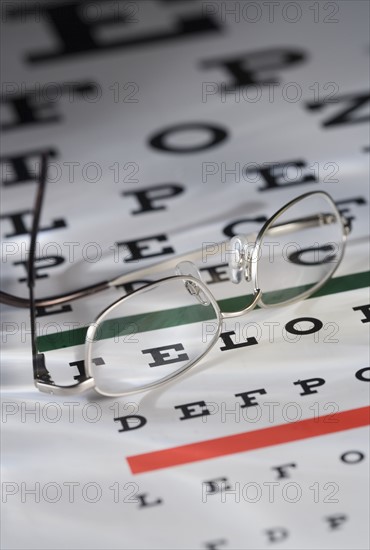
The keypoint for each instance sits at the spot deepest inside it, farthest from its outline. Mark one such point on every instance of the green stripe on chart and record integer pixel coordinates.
(184, 315)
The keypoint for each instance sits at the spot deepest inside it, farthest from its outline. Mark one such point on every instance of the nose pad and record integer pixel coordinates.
(239, 263)
(189, 269)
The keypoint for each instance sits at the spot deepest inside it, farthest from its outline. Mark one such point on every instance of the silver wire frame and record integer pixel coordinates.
(48, 386)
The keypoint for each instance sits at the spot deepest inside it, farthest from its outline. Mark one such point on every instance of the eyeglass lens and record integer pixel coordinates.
(300, 249)
(152, 335)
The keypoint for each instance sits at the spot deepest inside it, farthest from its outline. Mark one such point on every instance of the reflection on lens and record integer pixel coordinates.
(152, 335)
(299, 250)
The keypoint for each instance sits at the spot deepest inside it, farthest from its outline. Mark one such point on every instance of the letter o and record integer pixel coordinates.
(56, 92)
(251, 168)
(45, 489)
(98, 173)
(92, 11)
(245, 14)
(96, 93)
(57, 416)
(98, 412)
(296, 407)
(297, 88)
(256, 97)
(85, 490)
(316, 325)
(359, 374)
(217, 135)
(298, 492)
(298, 12)
(258, 492)
(97, 249)
(358, 457)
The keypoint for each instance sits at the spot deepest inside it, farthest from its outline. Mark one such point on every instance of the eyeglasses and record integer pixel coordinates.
(163, 329)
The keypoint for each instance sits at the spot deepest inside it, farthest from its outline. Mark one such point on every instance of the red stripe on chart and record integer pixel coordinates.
(248, 441)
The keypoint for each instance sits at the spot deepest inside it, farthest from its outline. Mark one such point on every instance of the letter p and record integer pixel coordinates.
(8, 488)
(8, 409)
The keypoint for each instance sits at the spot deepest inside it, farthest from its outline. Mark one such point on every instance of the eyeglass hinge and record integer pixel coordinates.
(347, 224)
(41, 373)
(196, 291)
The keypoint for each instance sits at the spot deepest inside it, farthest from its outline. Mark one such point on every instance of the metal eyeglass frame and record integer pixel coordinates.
(243, 265)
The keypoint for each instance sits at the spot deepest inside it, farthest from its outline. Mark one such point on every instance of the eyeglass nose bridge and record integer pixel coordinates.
(250, 307)
(240, 259)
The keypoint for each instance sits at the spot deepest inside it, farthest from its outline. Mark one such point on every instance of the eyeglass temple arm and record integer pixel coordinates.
(41, 375)
(310, 221)
(223, 248)
(16, 301)
(220, 248)
(40, 371)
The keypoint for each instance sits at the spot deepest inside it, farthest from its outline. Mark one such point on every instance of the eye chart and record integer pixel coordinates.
(170, 126)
